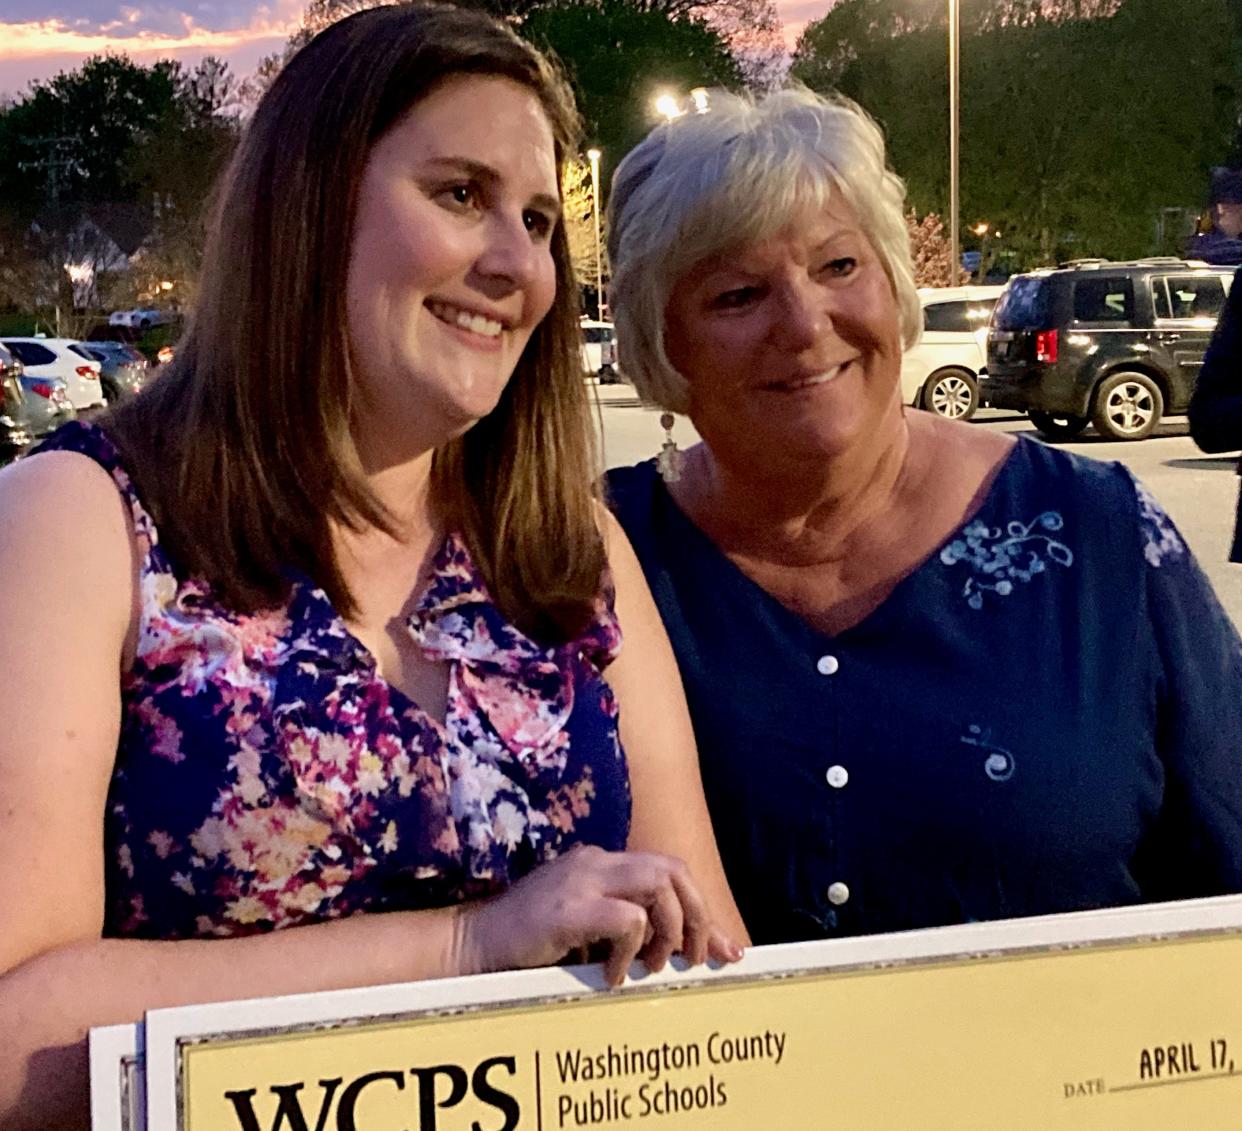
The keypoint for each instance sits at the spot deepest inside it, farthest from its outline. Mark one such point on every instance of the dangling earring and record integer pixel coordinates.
(670, 459)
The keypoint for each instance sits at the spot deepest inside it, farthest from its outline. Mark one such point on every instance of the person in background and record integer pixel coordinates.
(1222, 242)
(355, 680)
(1216, 403)
(937, 674)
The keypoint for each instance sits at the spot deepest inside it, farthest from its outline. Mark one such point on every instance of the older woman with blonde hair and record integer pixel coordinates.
(937, 674)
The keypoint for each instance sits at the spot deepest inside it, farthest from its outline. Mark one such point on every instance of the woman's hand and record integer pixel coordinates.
(640, 904)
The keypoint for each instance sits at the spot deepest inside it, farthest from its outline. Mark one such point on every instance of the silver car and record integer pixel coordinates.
(39, 405)
(15, 436)
(124, 370)
(45, 404)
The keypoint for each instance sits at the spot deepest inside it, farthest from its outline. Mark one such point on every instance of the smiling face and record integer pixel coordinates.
(791, 346)
(451, 265)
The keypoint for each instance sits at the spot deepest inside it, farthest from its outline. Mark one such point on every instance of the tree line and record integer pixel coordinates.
(1088, 126)
(108, 172)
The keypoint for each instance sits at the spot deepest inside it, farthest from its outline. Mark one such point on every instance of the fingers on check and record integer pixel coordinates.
(721, 948)
(679, 917)
(624, 926)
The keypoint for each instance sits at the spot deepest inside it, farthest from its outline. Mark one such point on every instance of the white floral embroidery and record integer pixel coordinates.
(1160, 537)
(999, 763)
(1001, 557)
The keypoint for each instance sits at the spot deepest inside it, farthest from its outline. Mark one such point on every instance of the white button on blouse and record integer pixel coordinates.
(828, 665)
(837, 776)
(838, 893)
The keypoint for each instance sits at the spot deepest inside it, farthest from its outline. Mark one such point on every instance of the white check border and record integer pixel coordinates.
(168, 1031)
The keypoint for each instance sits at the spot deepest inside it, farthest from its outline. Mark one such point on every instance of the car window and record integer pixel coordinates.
(1193, 296)
(1025, 305)
(961, 316)
(1103, 300)
(1160, 297)
(597, 334)
(31, 353)
(84, 351)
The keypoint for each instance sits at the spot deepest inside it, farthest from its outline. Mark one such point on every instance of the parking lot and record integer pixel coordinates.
(1199, 491)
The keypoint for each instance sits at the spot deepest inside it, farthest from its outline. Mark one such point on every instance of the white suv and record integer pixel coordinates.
(940, 371)
(139, 319)
(63, 358)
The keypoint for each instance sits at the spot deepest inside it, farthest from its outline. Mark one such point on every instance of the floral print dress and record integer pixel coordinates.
(268, 776)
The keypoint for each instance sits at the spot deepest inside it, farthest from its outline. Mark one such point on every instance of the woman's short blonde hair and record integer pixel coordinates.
(705, 183)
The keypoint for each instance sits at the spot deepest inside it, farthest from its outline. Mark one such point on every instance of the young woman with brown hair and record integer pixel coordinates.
(334, 615)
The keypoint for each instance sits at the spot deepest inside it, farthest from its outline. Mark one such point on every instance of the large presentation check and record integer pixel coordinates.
(1127, 1019)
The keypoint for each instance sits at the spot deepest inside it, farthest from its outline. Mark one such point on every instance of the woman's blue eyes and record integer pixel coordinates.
(738, 297)
(840, 268)
(463, 194)
(539, 223)
(468, 195)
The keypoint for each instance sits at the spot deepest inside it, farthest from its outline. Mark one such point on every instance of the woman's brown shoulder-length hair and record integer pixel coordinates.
(242, 450)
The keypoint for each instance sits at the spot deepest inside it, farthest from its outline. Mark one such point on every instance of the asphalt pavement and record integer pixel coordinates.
(1200, 492)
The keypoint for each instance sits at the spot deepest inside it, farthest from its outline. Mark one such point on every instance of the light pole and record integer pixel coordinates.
(593, 155)
(955, 96)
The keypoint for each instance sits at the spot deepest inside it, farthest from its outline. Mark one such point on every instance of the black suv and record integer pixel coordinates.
(1117, 345)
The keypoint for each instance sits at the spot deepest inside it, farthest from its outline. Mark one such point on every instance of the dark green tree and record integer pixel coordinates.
(102, 160)
(619, 56)
(1081, 122)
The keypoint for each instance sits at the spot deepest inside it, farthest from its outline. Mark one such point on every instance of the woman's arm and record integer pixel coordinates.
(1216, 404)
(1195, 847)
(670, 813)
(68, 608)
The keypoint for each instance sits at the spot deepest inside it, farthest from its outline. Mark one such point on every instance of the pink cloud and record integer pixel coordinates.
(36, 50)
(796, 14)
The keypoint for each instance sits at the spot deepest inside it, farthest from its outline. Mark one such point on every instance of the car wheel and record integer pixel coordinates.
(111, 390)
(1058, 426)
(951, 393)
(1128, 406)
(607, 375)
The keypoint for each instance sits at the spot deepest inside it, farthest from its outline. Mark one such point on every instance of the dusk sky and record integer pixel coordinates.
(39, 38)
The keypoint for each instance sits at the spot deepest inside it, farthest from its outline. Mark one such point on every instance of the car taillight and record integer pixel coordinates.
(1046, 347)
(42, 388)
(87, 372)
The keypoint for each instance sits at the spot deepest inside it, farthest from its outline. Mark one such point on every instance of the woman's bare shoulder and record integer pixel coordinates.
(72, 483)
(65, 528)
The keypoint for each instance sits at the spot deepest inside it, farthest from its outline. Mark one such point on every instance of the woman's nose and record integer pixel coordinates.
(509, 253)
(805, 316)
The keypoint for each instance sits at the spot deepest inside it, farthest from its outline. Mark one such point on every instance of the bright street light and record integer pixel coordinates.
(701, 99)
(668, 105)
(593, 155)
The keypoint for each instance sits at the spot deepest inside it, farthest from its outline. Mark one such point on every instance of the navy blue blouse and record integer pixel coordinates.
(1045, 716)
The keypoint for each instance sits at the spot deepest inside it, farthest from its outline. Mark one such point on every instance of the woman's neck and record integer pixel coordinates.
(800, 513)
